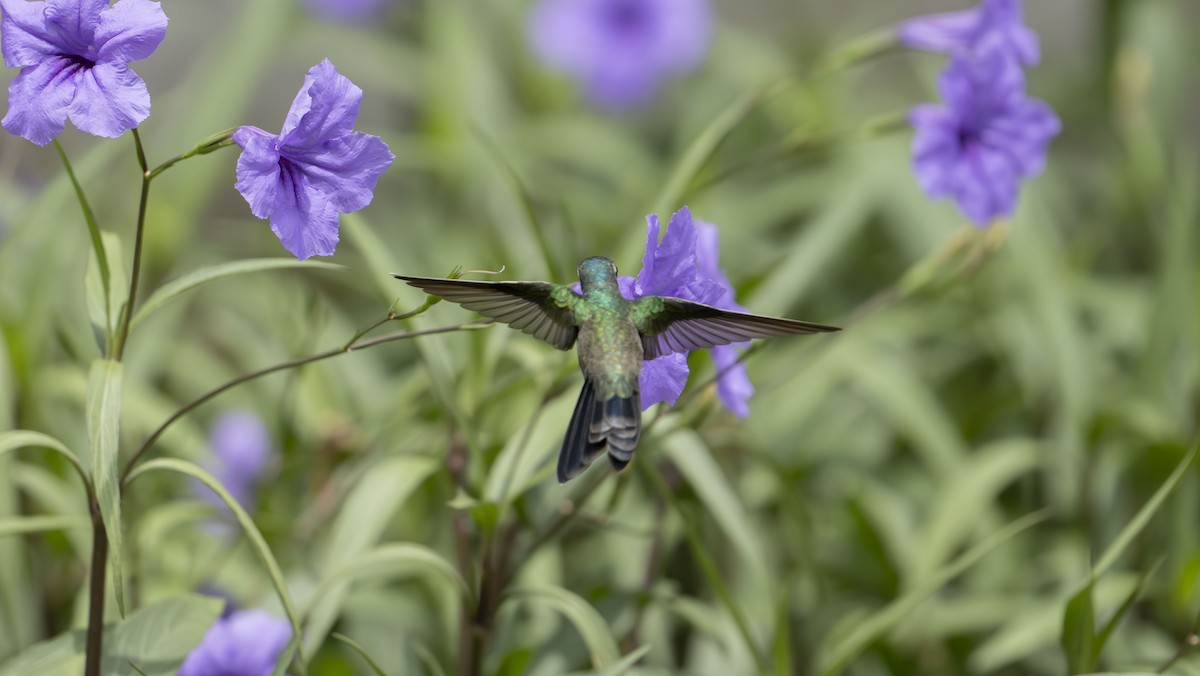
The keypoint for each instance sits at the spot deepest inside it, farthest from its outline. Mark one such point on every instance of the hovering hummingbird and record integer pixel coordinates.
(615, 336)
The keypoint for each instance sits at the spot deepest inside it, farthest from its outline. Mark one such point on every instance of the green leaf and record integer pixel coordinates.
(99, 256)
(782, 653)
(674, 190)
(1147, 512)
(153, 640)
(591, 626)
(621, 666)
(1126, 605)
(370, 506)
(195, 278)
(707, 565)
(252, 534)
(105, 308)
(104, 422)
(38, 524)
(695, 461)
(353, 645)
(400, 559)
(516, 662)
(11, 441)
(1079, 632)
(397, 559)
(835, 658)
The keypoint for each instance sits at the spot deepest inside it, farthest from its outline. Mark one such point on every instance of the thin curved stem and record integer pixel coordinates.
(291, 363)
(136, 273)
(208, 145)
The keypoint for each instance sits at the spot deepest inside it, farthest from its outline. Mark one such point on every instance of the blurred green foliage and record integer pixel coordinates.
(933, 491)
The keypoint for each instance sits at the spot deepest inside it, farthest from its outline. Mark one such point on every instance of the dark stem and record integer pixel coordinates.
(139, 236)
(568, 512)
(95, 626)
(456, 464)
(1188, 645)
(291, 363)
(493, 580)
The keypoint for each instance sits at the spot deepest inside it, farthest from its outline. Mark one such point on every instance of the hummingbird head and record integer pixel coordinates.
(597, 272)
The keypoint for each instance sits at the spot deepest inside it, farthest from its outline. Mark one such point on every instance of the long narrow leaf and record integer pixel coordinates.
(1147, 512)
(248, 527)
(839, 655)
(193, 279)
(39, 524)
(104, 421)
(592, 627)
(11, 441)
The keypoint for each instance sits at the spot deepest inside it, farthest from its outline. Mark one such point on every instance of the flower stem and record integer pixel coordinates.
(360, 344)
(204, 147)
(139, 236)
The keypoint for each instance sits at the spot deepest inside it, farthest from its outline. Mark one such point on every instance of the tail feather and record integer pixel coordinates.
(612, 425)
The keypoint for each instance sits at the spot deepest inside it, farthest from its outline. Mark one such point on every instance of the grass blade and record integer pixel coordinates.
(193, 279)
(1147, 512)
(834, 659)
(248, 527)
(11, 441)
(591, 626)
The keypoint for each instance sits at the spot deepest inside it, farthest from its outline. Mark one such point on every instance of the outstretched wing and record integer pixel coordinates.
(540, 309)
(672, 325)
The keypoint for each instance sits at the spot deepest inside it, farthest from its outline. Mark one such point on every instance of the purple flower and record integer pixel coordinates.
(621, 50)
(685, 265)
(244, 643)
(994, 24)
(986, 138)
(74, 56)
(316, 168)
(349, 11)
(241, 454)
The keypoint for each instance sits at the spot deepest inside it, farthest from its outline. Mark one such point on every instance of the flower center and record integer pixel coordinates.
(81, 62)
(967, 138)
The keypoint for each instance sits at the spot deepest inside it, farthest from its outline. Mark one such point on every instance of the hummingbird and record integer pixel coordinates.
(614, 336)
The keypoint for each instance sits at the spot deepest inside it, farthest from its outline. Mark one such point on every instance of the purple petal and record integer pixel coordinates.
(23, 36)
(621, 50)
(346, 168)
(247, 642)
(669, 267)
(708, 264)
(110, 100)
(950, 32)
(1024, 133)
(324, 109)
(240, 440)
(72, 24)
(130, 30)
(38, 100)
(663, 379)
(303, 218)
(257, 169)
(627, 286)
(733, 385)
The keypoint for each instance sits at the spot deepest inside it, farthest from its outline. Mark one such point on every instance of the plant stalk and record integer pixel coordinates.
(96, 589)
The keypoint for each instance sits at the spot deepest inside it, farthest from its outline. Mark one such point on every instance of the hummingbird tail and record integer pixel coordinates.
(611, 425)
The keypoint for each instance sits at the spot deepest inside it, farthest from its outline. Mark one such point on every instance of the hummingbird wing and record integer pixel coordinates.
(672, 325)
(540, 309)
